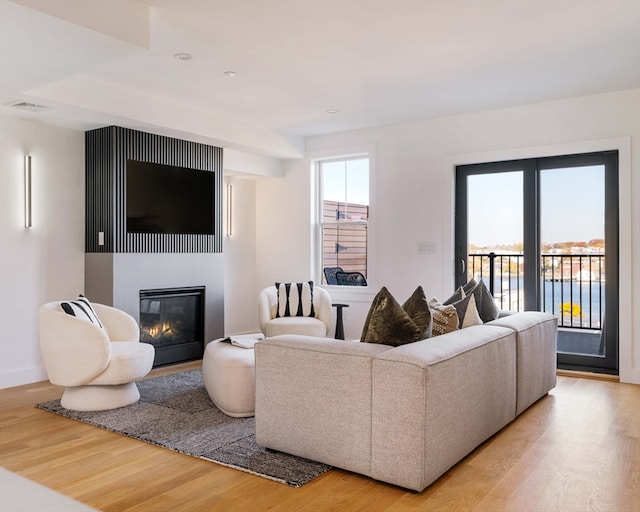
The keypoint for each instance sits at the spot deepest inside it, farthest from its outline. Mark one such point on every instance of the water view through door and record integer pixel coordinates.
(542, 234)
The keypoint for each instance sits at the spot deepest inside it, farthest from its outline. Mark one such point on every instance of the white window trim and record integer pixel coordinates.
(344, 293)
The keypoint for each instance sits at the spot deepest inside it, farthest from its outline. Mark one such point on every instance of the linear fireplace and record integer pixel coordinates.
(172, 320)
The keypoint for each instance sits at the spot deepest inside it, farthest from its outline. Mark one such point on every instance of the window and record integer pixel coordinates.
(343, 220)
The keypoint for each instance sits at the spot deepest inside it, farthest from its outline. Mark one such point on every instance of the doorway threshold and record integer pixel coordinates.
(578, 374)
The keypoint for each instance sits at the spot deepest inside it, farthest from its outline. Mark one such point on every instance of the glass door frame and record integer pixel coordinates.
(531, 169)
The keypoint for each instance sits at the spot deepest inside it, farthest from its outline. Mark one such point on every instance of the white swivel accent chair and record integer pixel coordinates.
(98, 366)
(318, 325)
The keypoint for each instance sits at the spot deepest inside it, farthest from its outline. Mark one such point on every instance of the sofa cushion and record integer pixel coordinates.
(81, 308)
(295, 299)
(388, 323)
(445, 317)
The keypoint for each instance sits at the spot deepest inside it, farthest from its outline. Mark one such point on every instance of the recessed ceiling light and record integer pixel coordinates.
(26, 105)
(230, 73)
(332, 111)
(182, 56)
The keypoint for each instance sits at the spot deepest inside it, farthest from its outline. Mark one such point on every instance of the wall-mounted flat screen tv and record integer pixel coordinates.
(169, 199)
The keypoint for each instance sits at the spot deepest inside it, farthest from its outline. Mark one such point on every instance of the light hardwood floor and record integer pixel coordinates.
(576, 450)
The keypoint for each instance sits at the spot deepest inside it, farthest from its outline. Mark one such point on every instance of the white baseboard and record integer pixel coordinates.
(12, 378)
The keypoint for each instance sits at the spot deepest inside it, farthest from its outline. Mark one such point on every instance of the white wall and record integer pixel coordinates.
(240, 287)
(413, 195)
(44, 262)
(283, 226)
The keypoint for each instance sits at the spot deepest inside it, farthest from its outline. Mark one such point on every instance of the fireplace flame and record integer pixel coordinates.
(159, 330)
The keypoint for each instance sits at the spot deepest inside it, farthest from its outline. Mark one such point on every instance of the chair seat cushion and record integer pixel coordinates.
(130, 361)
(295, 325)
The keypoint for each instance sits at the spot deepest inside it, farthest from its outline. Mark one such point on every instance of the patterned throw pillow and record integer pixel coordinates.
(81, 308)
(445, 317)
(295, 299)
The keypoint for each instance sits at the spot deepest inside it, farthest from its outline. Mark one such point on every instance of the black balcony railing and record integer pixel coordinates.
(572, 285)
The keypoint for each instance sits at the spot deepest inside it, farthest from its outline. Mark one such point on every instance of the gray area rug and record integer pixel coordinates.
(176, 412)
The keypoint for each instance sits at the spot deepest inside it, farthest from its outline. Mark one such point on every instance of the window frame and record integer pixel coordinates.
(317, 222)
(532, 167)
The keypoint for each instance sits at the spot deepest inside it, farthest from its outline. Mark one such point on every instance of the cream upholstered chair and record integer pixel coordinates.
(97, 360)
(317, 325)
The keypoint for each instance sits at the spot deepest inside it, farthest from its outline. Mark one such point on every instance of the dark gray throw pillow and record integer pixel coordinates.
(485, 304)
(467, 311)
(459, 294)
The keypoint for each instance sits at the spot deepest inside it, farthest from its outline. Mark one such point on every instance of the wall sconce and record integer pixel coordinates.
(229, 209)
(27, 191)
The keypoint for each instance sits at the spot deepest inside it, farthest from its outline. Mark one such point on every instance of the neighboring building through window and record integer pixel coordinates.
(344, 218)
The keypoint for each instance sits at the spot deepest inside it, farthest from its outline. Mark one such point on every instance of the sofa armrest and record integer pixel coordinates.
(266, 301)
(313, 398)
(536, 336)
(322, 305)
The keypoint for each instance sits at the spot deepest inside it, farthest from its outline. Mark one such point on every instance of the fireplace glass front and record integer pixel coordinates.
(172, 320)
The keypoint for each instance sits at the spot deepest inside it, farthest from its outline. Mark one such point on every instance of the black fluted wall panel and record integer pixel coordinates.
(106, 152)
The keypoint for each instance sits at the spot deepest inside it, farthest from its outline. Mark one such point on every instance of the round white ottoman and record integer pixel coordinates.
(229, 375)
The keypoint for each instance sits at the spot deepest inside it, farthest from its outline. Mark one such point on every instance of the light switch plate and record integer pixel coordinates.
(426, 247)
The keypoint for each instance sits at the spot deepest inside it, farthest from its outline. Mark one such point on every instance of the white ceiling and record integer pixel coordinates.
(376, 61)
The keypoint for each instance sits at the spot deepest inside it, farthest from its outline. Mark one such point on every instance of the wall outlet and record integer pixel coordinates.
(101, 238)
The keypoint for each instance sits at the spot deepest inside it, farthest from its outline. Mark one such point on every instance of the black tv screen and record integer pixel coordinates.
(169, 199)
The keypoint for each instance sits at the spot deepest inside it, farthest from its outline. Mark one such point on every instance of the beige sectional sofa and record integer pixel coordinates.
(403, 415)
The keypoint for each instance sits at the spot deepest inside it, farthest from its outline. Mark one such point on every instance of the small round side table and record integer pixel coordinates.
(339, 325)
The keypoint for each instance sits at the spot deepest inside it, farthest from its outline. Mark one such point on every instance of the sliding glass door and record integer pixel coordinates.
(543, 235)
